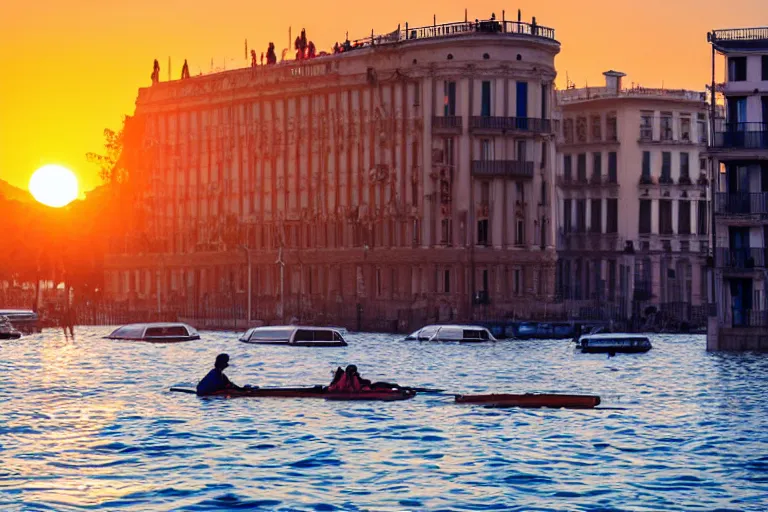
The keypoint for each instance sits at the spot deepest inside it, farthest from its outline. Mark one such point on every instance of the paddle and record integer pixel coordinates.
(184, 390)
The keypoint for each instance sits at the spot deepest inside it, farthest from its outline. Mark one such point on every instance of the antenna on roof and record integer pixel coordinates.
(434, 19)
(465, 15)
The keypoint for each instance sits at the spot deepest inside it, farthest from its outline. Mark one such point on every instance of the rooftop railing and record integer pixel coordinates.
(592, 93)
(738, 34)
(512, 28)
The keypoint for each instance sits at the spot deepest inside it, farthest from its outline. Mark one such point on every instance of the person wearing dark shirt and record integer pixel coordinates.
(216, 380)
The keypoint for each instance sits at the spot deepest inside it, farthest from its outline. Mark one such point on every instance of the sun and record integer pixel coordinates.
(53, 185)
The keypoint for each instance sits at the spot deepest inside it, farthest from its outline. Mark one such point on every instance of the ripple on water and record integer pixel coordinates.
(90, 425)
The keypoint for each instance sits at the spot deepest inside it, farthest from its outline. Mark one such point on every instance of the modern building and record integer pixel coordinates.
(739, 152)
(633, 213)
(404, 178)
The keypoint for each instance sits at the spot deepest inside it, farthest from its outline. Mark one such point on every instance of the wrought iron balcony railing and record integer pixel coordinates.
(502, 168)
(503, 124)
(740, 259)
(744, 203)
(447, 123)
(741, 135)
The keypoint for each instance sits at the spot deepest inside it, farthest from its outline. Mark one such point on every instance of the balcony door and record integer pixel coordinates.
(741, 301)
(737, 185)
(738, 243)
(522, 105)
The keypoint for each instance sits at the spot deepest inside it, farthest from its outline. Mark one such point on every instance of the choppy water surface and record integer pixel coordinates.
(90, 424)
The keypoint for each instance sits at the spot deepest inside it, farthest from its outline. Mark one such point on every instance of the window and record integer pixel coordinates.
(447, 281)
(666, 126)
(612, 170)
(379, 284)
(596, 221)
(737, 112)
(684, 168)
(568, 131)
(486, 150)
(612, 216)
(482, 232)
(543, 192)
(702, 164)
(611, 132)
(737, 69)
(702, 227)
(701, 126)
(666, 167)
(581, 167)
(449, 108)
(518, 282)
(446, 231)
(544, 152)
(544, 99)
(567, 220)
(684, 217)
(581, 129)
(646, 175)
(595, 121)
(685, 128)
(665, 217)
(521, 146)
(522, 100)
(520, 232)
(646, 126)
(764, 75)
(485, 105)
(597, 166)
(645, 216)
(581, 216)
(567, 171)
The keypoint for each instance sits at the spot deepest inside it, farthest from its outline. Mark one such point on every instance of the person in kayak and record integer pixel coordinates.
(350, 381)
(216, 380)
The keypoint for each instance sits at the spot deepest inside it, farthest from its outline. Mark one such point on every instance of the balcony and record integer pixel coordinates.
(502, 168)
(746, 318)
(746, 203)
(741, 136)
(449, 125)
(740, 259)
(606, 242)
(569, 181)
(646, 179)
(496, 124)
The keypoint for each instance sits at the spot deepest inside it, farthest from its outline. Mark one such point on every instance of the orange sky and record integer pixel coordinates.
(72, 68)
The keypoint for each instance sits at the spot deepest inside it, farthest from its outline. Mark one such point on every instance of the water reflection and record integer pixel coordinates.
(90, 423)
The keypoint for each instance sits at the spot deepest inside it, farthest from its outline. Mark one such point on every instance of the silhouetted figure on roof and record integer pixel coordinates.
(271, 55)
(253, 58)
(311, 50)
(156, 72)
(185, 70)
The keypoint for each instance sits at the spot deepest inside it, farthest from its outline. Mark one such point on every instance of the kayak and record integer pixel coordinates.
(532, 400)
(310, 392)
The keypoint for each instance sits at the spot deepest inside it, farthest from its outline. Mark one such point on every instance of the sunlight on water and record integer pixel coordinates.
(91, 424)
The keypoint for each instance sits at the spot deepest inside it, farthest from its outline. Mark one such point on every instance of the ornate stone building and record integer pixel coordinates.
(634, 211)
(405, 178)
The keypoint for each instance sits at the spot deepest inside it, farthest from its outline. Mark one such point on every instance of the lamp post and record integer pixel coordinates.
(250, 282)
(281, 263)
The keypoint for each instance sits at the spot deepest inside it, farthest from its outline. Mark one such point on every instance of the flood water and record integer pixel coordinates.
(90, 424)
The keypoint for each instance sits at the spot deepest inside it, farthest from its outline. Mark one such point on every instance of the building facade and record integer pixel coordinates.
(409, 178)
(633, 214)
(739, 153)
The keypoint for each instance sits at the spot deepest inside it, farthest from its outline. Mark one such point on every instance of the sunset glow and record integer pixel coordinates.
(54, 185)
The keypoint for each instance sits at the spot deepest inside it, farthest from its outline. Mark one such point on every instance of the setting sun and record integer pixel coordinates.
(54, 185)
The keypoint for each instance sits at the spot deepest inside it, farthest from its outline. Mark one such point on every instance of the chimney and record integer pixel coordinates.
(613, 80)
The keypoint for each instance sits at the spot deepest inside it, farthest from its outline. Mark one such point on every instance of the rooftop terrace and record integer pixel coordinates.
(735, 39)
(594, 93)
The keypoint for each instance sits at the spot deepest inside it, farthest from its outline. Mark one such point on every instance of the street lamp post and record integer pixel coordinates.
(250, 282)
(282, 282)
